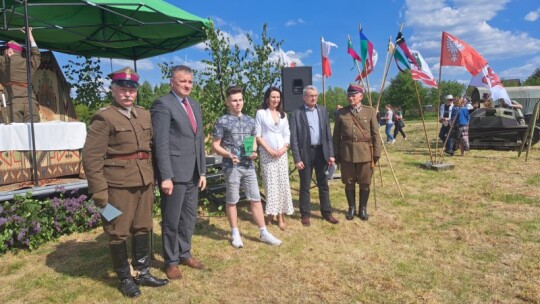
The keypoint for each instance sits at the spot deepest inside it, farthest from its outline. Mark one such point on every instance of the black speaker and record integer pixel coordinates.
(293, 81)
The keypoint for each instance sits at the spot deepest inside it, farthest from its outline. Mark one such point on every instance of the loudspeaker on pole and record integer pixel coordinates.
(293, 81)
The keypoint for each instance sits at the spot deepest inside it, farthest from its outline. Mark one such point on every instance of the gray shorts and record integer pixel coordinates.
(236, 176)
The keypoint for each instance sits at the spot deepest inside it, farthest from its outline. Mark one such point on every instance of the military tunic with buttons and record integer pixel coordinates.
(13, 78)
(353, 144)
(115, 132)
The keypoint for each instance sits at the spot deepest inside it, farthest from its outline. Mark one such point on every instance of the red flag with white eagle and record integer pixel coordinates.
(455, 52)
(325, 50)
(487, 78)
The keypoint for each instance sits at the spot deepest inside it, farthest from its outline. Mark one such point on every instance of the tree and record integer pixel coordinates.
(85, 75)
(402, 92)
(229, 65)
(259, 71)
(534, 79)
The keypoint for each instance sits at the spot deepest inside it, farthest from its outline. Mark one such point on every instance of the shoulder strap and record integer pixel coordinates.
(357, 123)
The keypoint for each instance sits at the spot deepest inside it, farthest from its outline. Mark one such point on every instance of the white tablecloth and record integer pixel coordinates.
(49, 136)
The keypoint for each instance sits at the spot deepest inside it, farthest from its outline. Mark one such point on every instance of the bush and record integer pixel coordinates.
(26, 222)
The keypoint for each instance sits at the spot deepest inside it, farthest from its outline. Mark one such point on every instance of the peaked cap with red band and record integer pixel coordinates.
(125, 77)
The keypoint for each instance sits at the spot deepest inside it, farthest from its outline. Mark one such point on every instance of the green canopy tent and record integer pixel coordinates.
(124, 29)
(128, 29)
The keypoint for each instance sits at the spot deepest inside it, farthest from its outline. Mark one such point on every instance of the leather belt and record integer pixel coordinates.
(15, 83)
(130, 156)
(316, 146)
(357, 139)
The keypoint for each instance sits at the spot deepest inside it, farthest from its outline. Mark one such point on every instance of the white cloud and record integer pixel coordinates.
(196, 65)
(142, 65)
(532, 16)
(428, 18)
(522, 72)
(295, 57)
(294, 22)
(317, 78)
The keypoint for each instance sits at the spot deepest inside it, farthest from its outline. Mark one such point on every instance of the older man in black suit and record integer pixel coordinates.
(180, 168)
(312, 148)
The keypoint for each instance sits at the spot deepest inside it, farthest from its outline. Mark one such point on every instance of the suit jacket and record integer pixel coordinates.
(300, 134)
(111, 133)
(178, 151)
(352, 144)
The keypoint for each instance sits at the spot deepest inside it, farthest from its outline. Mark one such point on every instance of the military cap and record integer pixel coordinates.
(125, 77)
(354, 88)
(14, 46)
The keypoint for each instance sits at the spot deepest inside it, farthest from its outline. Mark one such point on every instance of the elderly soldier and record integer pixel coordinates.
(13, 78)
(118, 166)
(357, 146)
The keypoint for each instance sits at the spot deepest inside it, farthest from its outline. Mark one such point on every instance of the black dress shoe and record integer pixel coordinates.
(129, 288)
(450, 153)
(305, 221)
(149, 280)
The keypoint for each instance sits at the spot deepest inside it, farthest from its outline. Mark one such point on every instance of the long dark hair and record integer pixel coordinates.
(279, 108)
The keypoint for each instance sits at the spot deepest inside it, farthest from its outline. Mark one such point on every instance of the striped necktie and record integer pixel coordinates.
(190, 115)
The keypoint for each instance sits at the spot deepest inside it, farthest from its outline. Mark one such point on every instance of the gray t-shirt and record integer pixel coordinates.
(232, 130)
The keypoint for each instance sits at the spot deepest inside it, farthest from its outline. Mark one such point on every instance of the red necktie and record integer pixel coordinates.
(190, 115)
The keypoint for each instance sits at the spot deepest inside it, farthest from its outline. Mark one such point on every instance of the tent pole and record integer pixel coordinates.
(31, 110)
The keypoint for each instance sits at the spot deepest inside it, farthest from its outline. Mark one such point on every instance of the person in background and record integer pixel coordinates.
(388, 117)
(230, 133)
(273, 137)
(13, 78)
(118, 166)
(461, 125)
(357, 146)
(312, 148)
(399, 124)
(445, 116)
(180, 168)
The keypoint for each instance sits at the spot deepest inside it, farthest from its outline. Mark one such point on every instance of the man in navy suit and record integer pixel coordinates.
(180, 168)
(312, 148)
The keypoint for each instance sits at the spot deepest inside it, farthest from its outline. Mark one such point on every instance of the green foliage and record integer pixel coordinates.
(85, 75)
(402, 92)
(259, 71)
(26, 222)
(228, 66)
(83, 112)
(534, 79)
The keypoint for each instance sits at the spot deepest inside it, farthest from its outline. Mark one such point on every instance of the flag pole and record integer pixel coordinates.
(365, 69)
(322, 72)
(438, 108)
(358, 69)
(423, 121)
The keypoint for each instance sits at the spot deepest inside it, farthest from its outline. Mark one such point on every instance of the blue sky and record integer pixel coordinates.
(505, 32)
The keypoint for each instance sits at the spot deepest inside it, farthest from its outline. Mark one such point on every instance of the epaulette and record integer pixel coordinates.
(139, 107)
(104, 108)
(366, 106)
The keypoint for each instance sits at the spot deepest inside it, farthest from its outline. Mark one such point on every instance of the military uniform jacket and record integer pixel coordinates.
(13, 71)
(112, 133)
(353, 144)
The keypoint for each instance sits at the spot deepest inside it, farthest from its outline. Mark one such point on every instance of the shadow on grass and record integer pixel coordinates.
(203, 227)
(88, 258)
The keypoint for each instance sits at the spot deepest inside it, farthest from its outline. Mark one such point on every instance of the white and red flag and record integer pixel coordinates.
(487, 78)
(455, 52)
(325, 50)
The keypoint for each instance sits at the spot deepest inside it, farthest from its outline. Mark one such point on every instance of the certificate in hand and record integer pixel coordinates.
(248, 145)
(109, 212)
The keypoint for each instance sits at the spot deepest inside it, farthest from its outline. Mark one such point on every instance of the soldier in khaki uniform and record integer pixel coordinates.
(357, 146)
(118, 166)
(13, 78)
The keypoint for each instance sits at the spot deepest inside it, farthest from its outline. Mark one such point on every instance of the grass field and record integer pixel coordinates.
(467, 235)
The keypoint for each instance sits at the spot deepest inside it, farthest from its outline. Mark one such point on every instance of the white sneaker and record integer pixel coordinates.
(393, 141)
(236, 241)
(270, 239)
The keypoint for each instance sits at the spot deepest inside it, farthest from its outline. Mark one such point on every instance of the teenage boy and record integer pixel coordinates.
(231, 130)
